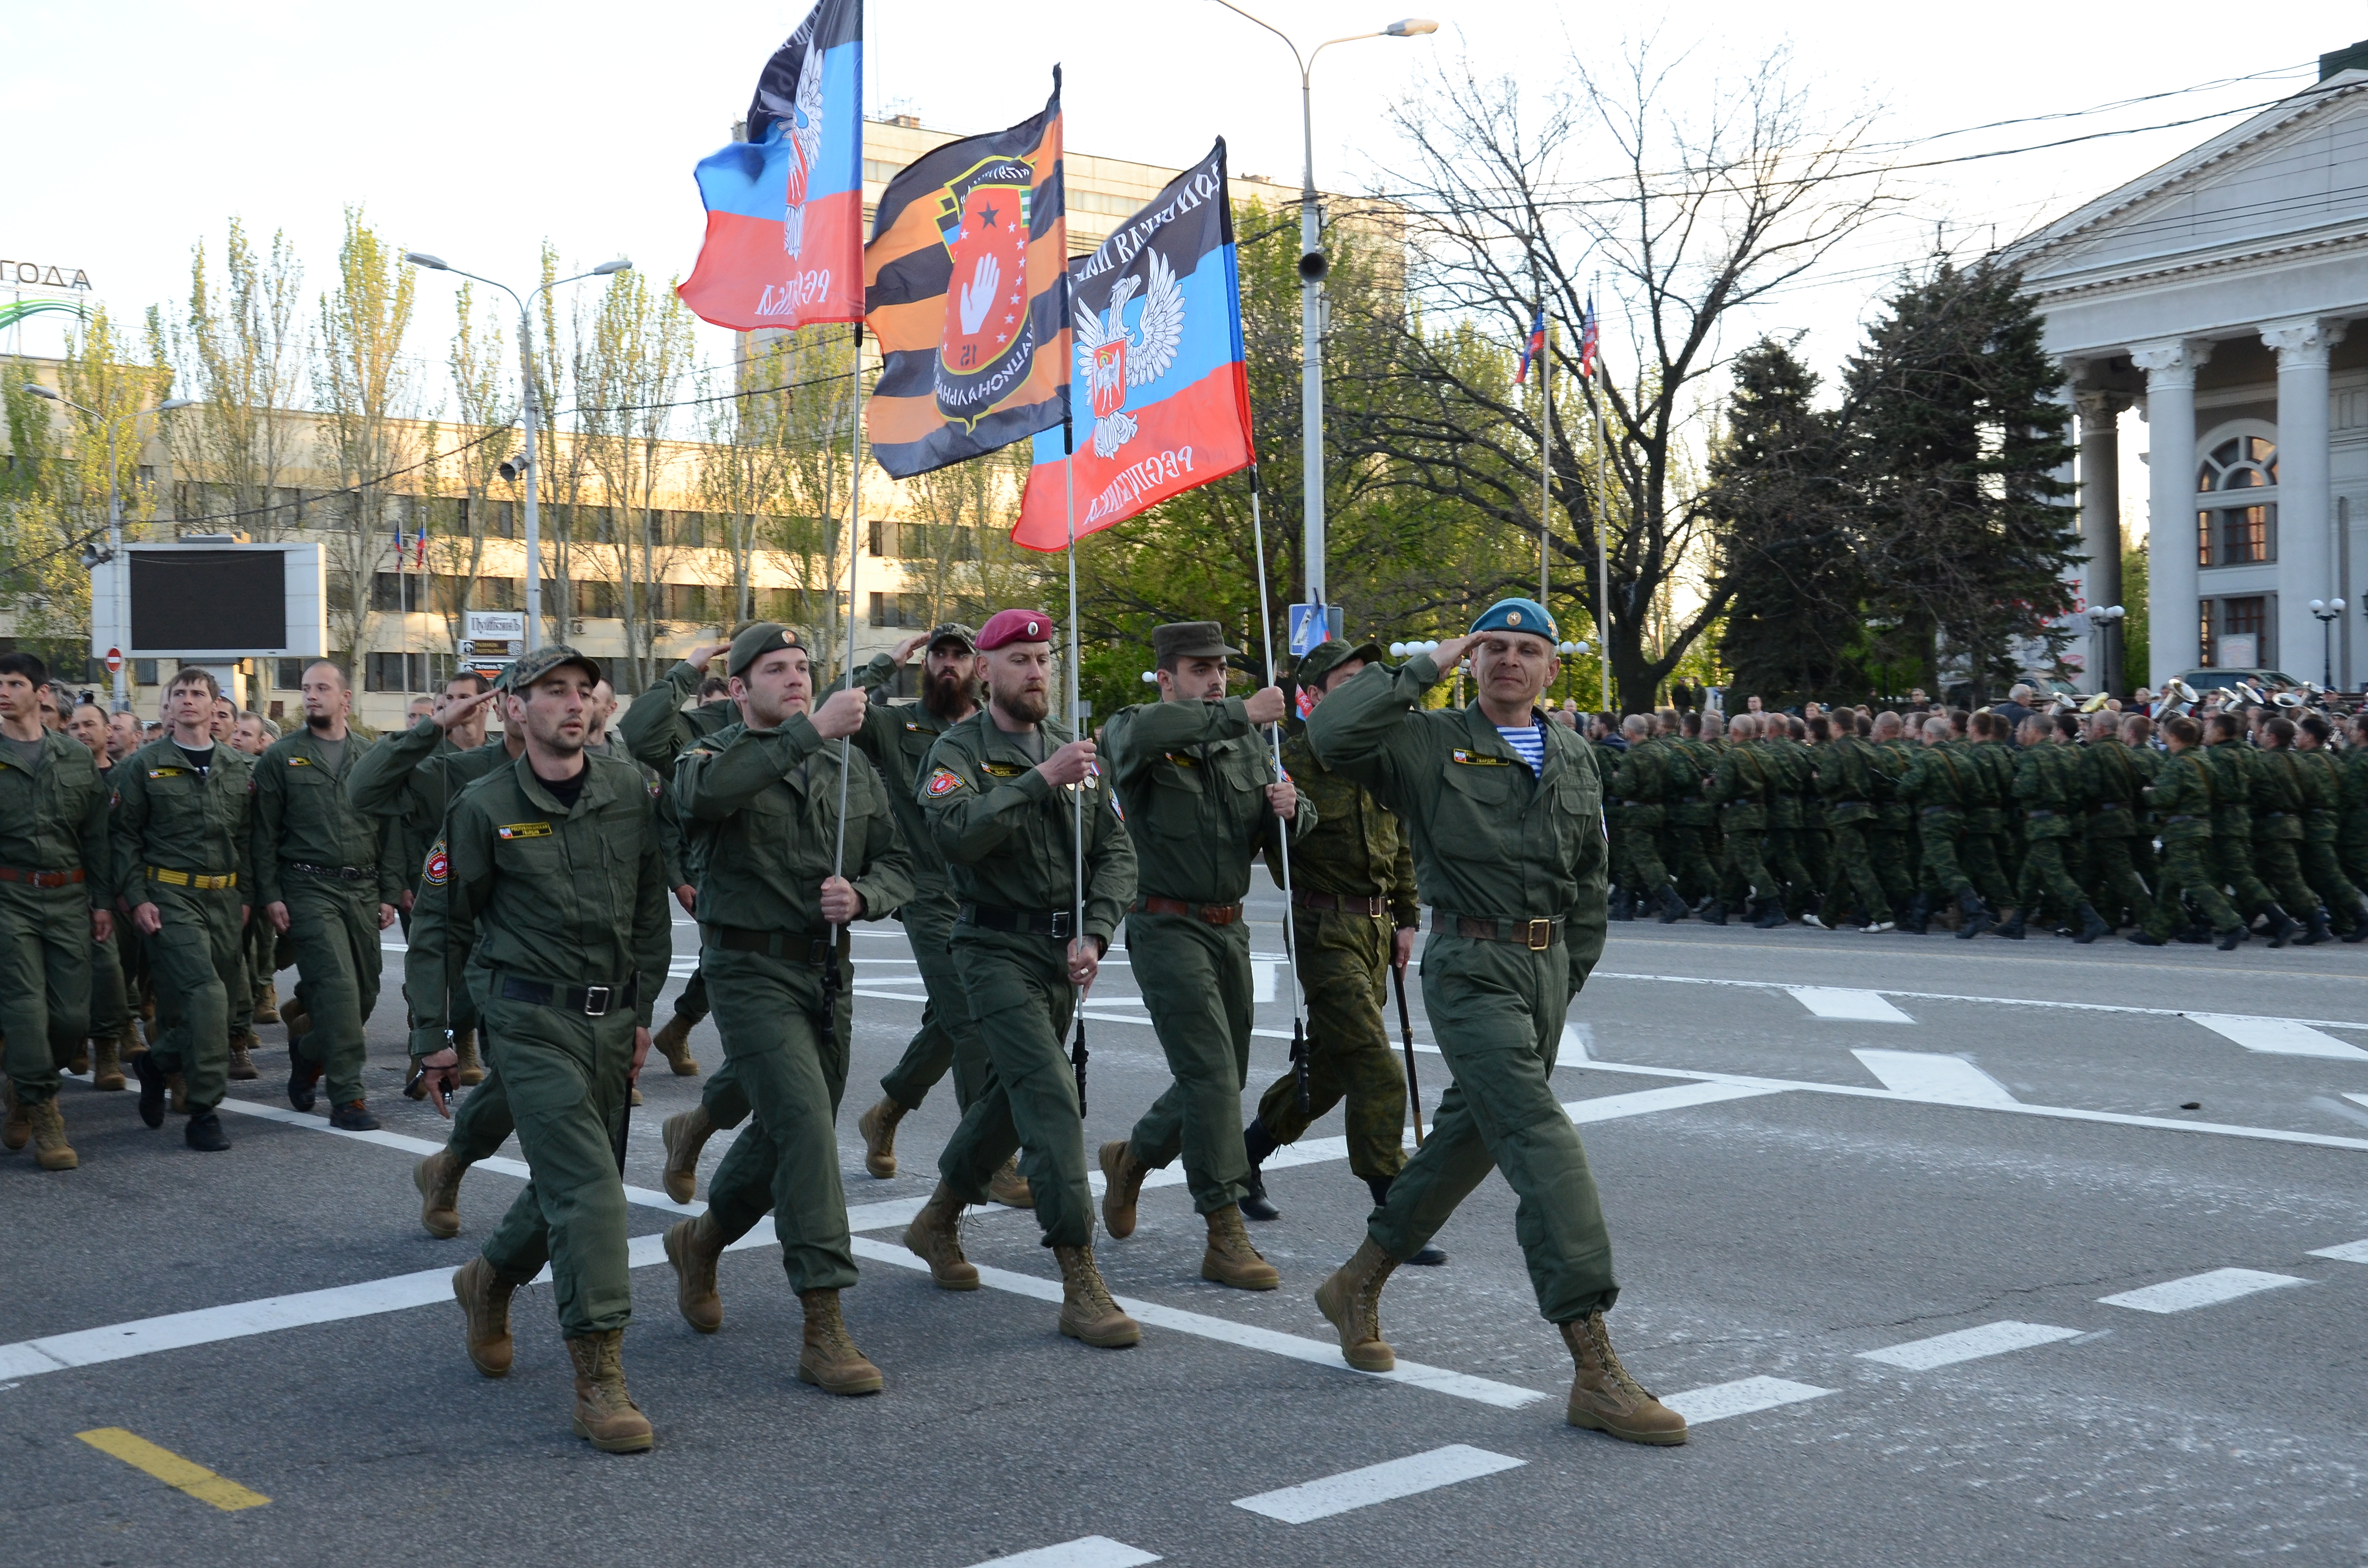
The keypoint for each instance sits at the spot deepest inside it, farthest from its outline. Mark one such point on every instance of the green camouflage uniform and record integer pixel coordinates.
(1938, 783)
(2322, 788)
(1891, 837)
(2233, 774)
(2050, 785)
(2120, 841)
(1640, 782)
(1791, 780)
(1739, 788)
(2280, 807)
(1847, 772)
(55, 849)
(2181, 800)
(2352, 816)
(1986, 851)
(1692, 819)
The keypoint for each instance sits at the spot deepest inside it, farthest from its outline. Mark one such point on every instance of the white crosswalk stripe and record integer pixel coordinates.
(1861, 1006)
(1384, 1483)
(2207, 1289)
(1086, 1551)
(1743, 1397)
(1968, 1345)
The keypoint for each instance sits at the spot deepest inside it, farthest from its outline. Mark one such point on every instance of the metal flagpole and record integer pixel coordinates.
(854, 551)
(1077, 709)
(1282, 838)
(1602, 517)
(1545, 450)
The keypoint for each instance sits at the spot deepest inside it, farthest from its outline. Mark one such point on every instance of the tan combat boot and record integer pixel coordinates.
(686, 1133)
(1122, 1174)
(267, 1005)
(485, 1296)
(17, 1130)
(49, 1145)
(1008, 1187)
(692, 1247)
(672, 1043)
(1351, 1302)
(830, 1361)
(1087, 1313)
(878, 1126)
(1230, 1259)
(107, 1063)
(935, 1237)
(243, 1046)
(1604, 1398)
(605, 1412)
(437, 1178)
(472, 1070)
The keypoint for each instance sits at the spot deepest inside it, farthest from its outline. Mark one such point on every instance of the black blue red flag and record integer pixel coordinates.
(1588, 331)
(1532, 346)
(962, 290)
(1160, 402)
(785, 208)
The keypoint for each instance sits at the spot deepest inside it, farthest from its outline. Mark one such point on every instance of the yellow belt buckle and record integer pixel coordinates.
(1541, 935)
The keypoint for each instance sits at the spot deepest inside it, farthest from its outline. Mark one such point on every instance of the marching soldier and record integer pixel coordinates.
(2351, 804)
(552, 894)
(655, 729)
(761, 800)
(2230, 760)
(2322, 790)
(2051, 787)
(1789, 780)
(1640, 778)
(1000, 790)
(1505, 812)
(326, 876)
(2181, 800)
(2119, 765)
(2281, 806)
(111, 1034)
(1847, 771)
(1355, 913)
(1938, 783)
(183, 814)
(54, 887)
(1891, 837)
(1201, 799)
(897, 736)
(1986, 850)
(1690, 757)
(1739, 788)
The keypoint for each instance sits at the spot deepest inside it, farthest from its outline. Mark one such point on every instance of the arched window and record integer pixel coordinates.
(2237, 490)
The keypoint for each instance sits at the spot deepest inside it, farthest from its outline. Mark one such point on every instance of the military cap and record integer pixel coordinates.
(757, 639)
(952, 631)
(1189, 640)
(1516, 615)
(1014, 626)
(531, 667)
(1324, 657)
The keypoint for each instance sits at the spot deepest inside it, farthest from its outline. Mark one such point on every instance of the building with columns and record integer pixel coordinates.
(2212, 297)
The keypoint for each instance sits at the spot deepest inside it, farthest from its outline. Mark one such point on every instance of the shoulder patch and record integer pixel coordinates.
(944, 781)
(1478, 759)
(437, 868)
(523, 830)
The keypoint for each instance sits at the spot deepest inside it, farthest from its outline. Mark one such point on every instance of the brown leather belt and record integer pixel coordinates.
(793, 946)
(1535, 935)
(1207, 914)
(41, 879)
(1373, 907)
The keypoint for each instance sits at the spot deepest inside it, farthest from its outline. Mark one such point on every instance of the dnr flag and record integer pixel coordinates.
(963, 287)
(785, 208)
(1161, 402)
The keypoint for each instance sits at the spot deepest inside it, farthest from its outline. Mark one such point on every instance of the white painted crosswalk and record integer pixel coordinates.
(2350, 1251)
(1860, 1007)
(1086, 1551)
(2208, 1289)
(1968, 1345)
(1745, 1396)
(2279, 1037)
(1947, 1080)
(1385, 1483)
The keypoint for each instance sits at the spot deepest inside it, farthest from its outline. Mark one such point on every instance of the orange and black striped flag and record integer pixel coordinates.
(966, 289)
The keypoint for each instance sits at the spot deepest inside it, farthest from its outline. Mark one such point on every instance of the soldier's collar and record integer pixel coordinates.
(596, 790)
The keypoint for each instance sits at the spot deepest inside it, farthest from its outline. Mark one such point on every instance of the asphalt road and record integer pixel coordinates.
(1954, 1253)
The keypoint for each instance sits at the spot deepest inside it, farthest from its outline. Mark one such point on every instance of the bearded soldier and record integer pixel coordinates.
(1504, 811)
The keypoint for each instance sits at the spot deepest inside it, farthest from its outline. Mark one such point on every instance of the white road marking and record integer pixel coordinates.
(2279, 1037)
(1860, 1007)
(2350, 1251)
(1262, 970)
(1719, 1400)
(2357, 1100)
(1968, 1345)
(1381, 1482)
(1984, 1001)
(1086, 1551)
(1151, 1314)
(2205, 1289)
(1644, 1102)
(1943, 1080)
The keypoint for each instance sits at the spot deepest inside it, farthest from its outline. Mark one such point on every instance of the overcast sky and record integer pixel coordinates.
(477, 129)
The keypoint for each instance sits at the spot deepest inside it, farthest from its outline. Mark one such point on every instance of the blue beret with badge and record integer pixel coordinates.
(1516, 615)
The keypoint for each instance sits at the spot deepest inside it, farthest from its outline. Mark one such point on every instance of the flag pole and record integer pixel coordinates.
(1078, 1053)
(1602, 520)
(1282, 837)
(854, 550)
(1545, 450)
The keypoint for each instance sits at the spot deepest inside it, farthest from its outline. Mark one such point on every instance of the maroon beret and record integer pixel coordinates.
(1014, 626)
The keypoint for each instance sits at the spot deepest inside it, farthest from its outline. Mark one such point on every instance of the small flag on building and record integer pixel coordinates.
(1531, 348)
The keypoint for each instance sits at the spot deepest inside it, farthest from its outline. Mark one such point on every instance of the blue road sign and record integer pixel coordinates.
(1307, 630)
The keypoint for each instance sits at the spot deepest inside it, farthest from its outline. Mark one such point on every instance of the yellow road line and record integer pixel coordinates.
(172, 1469)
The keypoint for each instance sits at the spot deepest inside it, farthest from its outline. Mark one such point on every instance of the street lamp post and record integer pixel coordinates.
(1313, 265)
(533, 416)
(2107, 622)
(2326, 612)
(114, 525)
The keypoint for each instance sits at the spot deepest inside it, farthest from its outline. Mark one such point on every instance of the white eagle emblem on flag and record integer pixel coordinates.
(804, 134)
(1111, 360)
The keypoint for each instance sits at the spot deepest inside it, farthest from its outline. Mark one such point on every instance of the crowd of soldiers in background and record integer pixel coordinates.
(2247, 815)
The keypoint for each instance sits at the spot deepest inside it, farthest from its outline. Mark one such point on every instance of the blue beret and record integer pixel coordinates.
(1517, 615)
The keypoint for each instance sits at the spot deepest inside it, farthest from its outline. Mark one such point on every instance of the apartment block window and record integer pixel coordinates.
(2242, 469)
(288, 675)
(395, 592)
(2236, 632)
(887, 539)
(908, 610)
(395, 672)
(596, 600)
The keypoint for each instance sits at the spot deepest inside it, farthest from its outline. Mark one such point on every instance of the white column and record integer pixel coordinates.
(2100, 515)
(2306, 555)
(2170, 367)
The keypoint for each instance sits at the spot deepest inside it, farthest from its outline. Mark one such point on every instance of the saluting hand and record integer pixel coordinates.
(454, 711)
(1265, 705)
(906, 649)
(703, 654)
(1449, 653)
(1068, 765)
(840, 902)
(841, 714)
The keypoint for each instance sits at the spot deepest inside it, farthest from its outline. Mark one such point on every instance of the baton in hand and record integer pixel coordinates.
(1405, 1027)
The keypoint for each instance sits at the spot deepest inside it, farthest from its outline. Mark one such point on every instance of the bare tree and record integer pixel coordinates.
(634, 362)
(741, 465)
(366, 390)
(477, 357)
(819, 405)
(241, 353)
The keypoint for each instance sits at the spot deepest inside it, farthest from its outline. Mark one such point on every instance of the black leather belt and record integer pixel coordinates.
(1206, 913)
(1340, 903)
(791, 947)
(1019, 921)
(1536, 935)
(592, 1001)
(337, 873)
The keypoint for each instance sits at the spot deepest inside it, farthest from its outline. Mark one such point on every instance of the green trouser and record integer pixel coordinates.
(110, 1003)
(1496, 1010)
(2279, 864)
(1344, 962)
(258, 957)
(1690, 861)
(44, 983)
(2116, 880)
(1747, 871)
(1783, 857)
(946, 1038)
(1023, 1002)
(769, 1011)
(1622, 871)
(2187, 873)
(2232, 868)
(2352, 859)
(1978, 855)
(1854, 872)
(1818, 855)
(194, 964)
(2320, 868)
(692, 1005)
(1648, 872)
(483, 1119)
(334, 926)
(1195, 980)
(2046, 879)
(1938, 828)
(1892, 851)
(565, 1077)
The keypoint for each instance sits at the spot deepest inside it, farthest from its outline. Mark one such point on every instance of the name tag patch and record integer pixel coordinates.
(524, 830)
(1479, 759)
(1003, 769)
(944, 781)
(300, 762)
(168, 773)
